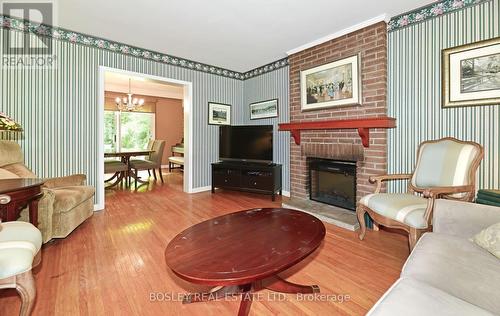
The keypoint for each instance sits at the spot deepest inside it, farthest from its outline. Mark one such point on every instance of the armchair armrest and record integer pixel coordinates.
(438, 191)
(387, 177)
(73, 180)
(463, 218)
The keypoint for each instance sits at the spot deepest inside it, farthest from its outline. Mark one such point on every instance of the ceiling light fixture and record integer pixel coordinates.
(129, 103)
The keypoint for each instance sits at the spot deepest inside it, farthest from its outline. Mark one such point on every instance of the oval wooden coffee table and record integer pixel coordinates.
(243, 252)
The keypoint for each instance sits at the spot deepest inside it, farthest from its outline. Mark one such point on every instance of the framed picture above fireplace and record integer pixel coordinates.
(335, 84)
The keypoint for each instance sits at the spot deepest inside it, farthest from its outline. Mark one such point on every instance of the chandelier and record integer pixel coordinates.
(129, 103)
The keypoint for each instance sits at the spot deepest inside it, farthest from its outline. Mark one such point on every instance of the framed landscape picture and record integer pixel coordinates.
(219, 114)
(471, 74)
(335, 84)
(264, 109)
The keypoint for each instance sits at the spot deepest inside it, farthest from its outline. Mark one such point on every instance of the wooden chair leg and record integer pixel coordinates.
(135, 182)
(161, 175)
(154, 174)
(360, 212)
(169, 166)
(149, 173)
(37, 259)
(25, 286)
(413, 237)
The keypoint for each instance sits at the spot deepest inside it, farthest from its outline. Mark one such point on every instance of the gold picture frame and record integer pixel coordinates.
(470, 74)
(335, 84)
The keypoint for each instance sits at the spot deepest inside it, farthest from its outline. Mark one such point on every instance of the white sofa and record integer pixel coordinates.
(446, 273)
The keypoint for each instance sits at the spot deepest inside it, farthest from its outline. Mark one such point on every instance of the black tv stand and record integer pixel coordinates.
(250, 177)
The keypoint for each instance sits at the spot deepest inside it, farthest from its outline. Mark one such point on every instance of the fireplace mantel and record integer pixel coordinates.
(362, 125)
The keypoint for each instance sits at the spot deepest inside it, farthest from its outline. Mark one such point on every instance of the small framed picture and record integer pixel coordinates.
(219, 113)
(471, 74)
(264, 109)
(334, 84)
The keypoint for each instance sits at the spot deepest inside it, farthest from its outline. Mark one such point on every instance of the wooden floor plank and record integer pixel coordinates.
(112, 263)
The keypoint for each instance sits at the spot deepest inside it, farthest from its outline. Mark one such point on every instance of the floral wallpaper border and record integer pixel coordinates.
(428, 12)
(266, 68)
(79, 38)
(398, 22)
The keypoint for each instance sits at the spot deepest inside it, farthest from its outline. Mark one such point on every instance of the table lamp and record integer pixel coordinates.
(8, 124)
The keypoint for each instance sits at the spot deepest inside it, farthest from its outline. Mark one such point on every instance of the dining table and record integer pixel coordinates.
(125, 157)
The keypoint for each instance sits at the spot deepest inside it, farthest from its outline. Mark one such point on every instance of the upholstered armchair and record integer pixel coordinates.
(66, 201)
(445, 168)
(20, 245)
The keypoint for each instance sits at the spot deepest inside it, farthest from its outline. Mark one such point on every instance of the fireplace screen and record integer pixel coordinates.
(333, 182)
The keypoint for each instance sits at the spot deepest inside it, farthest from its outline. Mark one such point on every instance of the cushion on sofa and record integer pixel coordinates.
(489, 239)
(66, 198)
(410, 297)
(458, 267)
(20, 170)
(5, 174)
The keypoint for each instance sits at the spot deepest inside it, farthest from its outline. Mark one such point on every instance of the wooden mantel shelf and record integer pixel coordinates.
(362, 125)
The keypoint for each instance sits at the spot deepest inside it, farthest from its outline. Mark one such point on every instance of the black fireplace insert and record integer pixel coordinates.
(333, 182)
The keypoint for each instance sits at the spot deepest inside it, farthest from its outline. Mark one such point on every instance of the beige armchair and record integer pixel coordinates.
(446, 168)
(66, 202)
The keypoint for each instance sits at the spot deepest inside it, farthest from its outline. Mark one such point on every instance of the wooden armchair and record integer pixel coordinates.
(445, 168)
(20, 245)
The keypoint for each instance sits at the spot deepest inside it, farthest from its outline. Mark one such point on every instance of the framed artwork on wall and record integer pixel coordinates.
(219, 113)
(335, 84)
(264, 109)
(470, 74)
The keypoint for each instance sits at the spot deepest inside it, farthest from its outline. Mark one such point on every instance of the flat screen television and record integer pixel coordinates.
(252, 143)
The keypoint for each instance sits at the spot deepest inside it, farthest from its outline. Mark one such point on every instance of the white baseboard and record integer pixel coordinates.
(98, 207)
(285, 193)
(201, 189)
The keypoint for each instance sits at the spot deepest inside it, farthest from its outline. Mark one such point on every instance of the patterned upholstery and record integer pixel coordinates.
(443, 163)
(405, 208)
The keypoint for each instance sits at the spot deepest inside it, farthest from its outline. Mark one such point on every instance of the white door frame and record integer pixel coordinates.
(188, 128)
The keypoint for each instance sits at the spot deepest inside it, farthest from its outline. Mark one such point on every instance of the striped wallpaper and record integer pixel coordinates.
(271, 85)
(58, 109)
(414, 96)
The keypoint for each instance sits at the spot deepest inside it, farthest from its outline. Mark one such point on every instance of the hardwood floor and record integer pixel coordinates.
(114, 262)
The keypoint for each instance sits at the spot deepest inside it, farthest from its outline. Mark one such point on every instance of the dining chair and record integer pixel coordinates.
(20, 244)
(150, 147)
(153, 162)
(446, 168)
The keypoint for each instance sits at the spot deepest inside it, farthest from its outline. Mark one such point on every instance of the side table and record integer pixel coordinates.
(16, 194)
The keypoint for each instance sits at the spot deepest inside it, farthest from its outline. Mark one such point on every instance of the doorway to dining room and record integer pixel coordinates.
(145, 123)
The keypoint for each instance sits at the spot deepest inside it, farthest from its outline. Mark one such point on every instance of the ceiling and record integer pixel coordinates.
(142, 86)
(237, 35)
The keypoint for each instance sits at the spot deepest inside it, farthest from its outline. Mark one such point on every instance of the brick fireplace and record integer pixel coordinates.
(371, 44)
